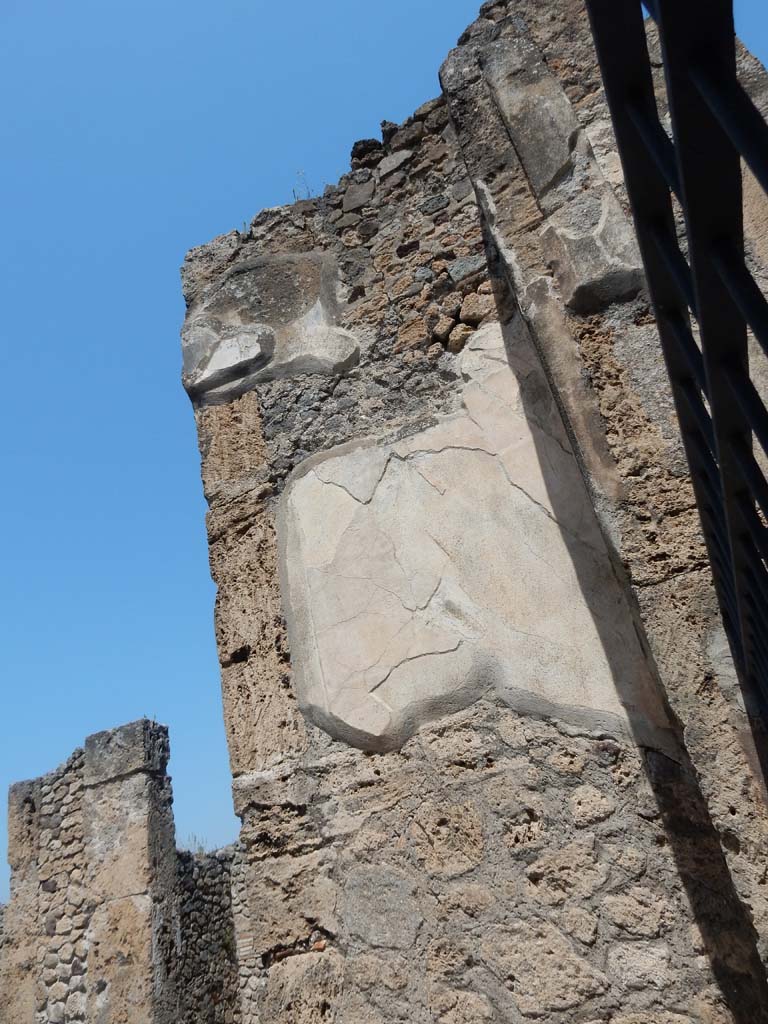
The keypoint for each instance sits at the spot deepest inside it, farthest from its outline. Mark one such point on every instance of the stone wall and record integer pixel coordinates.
(205, 964)
(604, 361)
(487, 748)
(106, 922)
(487, 745)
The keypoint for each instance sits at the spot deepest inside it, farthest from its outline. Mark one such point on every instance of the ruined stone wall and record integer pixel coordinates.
(447, 674)
(205, 965)
(517, 65)
(486, 741)
(107, 922)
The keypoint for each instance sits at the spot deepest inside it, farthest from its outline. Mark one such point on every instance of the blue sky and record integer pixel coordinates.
(135, 131)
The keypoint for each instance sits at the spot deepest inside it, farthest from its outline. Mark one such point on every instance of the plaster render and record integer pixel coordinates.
(462, 560)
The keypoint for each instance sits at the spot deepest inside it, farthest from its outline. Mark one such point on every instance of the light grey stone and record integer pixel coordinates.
(393, 161)
(465, 267)
(593, 251)
(358, 195)
(640, 965)
(538, 115)
(274, 317)
(461, 561)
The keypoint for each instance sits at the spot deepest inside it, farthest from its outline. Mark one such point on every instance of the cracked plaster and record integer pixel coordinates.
(461, 561)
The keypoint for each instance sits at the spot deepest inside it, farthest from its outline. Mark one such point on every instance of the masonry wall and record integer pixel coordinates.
(604, 361)
(487, 745)
(509, 859)
(204, 964)
(107, 923)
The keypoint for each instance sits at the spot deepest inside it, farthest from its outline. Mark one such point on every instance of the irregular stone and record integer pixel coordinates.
(637, 912)
(640, 965)
(426, 108)
(459, 1007)
(475, 308)
(466, 267)
(408, 137)
(55, 1013)
(546, 973)
(437, 119)
(572, 872)
(459, 336)
(412, 333)
(593, 251)
(589, 805)
(434, 204)
(580, 924)
(348, 220)
(364, 149)
(443, 328)
(358, 195)
(448, 838)
(395, 615)
(393, 161)
(380, 907)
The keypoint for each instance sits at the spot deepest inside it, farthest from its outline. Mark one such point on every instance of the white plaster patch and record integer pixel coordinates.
(461, 561)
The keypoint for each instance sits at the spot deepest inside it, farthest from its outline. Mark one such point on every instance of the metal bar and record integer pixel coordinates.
(684, 337)
(743, 290)
(699, 412)
(658, 144)
(751, 403)
(734, 111)
(619, 33)
(754, 527)
(752, 474)
(677, 265)
(709, 167)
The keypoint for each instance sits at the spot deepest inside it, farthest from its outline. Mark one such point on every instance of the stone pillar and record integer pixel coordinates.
(131, 858)
(90, 929)
(18, 948)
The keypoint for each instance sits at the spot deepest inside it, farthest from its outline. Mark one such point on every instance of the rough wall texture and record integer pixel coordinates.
(107, 923)
(487, 746)
(204, 963)
(502, 863)
(608, 378)
(90, 851)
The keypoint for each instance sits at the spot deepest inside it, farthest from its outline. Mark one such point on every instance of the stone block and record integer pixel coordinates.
(380, 907)
(140, 746)
(593, 252)
(272, 317)
(540, 119)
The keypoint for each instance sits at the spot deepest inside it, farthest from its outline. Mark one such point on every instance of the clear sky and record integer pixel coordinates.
(131, 132)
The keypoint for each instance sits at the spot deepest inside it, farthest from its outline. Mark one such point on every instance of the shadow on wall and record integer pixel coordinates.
(729, 936)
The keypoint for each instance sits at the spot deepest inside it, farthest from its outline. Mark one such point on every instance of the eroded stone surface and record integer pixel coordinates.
(268, 318)
(462, 560)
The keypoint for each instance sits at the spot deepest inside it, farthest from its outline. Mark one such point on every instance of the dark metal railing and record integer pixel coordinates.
(714, 125)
